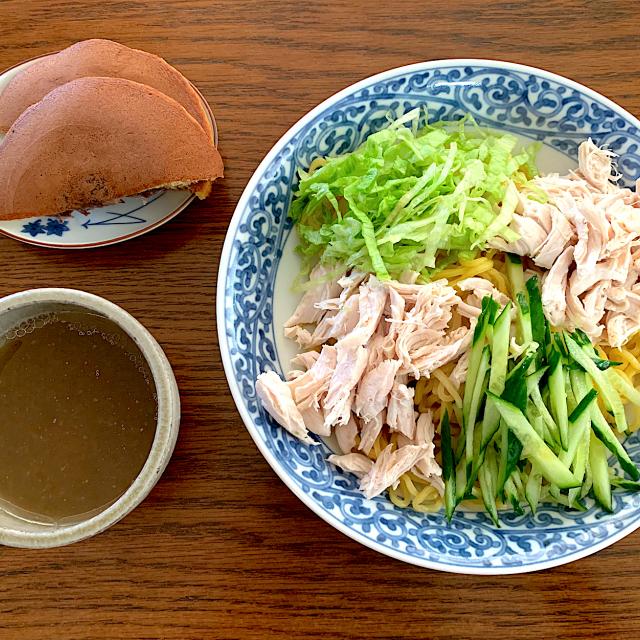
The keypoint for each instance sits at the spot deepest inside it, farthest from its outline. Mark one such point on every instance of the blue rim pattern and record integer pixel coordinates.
(525, 101)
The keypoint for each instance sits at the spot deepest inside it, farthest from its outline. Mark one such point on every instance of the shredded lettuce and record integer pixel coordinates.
(407, 196)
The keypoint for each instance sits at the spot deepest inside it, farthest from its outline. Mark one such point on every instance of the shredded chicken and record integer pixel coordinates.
(346, 434)
(277, 399)
(388, 468)
(591, 246)
(355, 463)
(375, 338)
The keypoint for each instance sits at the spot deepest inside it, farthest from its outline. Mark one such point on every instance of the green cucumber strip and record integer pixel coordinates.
(534, 446)
(572, 402)
(584, 406)
(448, 471)
(534, 417)
(515, 392)
(578, 505)
(600, 473)
(588, 481)
(514, 453)
(579, 465)
(623, 483)
(538, 321)
(488, 476)
(576, 453)
(533, 379)
(580, 383)
(558, 343)
(479, 389)
(558, 397)
(513, 497)
(603, 365)
(524, 318)
(516, 478)
(584, 341)
(497, 378)
(503, 452)
(582, 338)
(515, 273)
(533, 488)
(533, 390)
(551, 438)
(461, 481)
(605, 434)
(500, 350)
(581, 356)
(515, 388)
(474, 464)
(489, 308)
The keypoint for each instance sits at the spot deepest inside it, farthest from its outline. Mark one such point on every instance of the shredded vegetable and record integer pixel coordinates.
(408, 194)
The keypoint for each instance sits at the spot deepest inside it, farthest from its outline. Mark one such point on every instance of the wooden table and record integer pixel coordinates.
(221, 549)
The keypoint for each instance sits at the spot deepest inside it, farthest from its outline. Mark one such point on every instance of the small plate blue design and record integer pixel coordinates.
(254, 298)
(101, 225)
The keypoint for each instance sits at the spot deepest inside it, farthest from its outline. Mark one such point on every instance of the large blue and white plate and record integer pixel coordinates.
(101, 225)
(254, 298)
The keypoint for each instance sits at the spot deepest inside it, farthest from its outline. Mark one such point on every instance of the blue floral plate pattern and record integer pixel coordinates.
(102, 225)
(531, 103)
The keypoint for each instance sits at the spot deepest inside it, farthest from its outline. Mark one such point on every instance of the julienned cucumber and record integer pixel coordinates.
(539, 329)
(558, 397)
(533, 446)
(583, 358)
(605, 434)
(448, 470)
(600, 473)
(530, 414)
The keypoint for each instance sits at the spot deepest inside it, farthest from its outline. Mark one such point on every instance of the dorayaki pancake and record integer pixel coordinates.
(97, 58)
(93, 141)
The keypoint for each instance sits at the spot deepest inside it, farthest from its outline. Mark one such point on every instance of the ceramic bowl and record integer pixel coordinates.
(254, 299)
(27, 304)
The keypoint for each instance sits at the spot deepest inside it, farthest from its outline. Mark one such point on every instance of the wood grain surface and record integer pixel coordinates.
(221, 549)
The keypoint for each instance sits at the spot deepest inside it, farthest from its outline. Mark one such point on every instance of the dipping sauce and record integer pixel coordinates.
(77, 416)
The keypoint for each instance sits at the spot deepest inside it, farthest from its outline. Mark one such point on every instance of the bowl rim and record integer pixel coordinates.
(167, 424)
(225, 354)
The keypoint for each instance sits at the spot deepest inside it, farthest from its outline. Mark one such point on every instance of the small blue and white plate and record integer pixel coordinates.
(254, 299)
(102, 225)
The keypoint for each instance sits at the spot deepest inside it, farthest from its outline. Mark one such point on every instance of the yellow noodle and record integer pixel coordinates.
(427, 500)
(497, 280)
(623, 374)
(448, 385)
(410, 488)
(472, 268)
(442, 392)
(398, 499)
(626, 357)
(316, 164)
(419, 391)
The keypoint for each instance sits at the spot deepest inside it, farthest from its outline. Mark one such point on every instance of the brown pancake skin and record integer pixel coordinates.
(97, 58)
(93, 141)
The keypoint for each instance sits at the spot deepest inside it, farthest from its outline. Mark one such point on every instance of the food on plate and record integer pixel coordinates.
(467, 327)
(63, 153)
(408, 196)
(79, 406)
(586, 233)
(97, 58)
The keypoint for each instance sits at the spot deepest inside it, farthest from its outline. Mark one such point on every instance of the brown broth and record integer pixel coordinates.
(77, 416)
